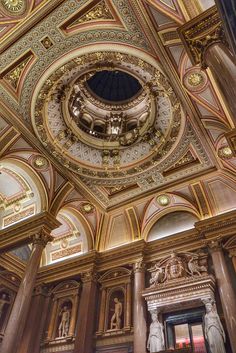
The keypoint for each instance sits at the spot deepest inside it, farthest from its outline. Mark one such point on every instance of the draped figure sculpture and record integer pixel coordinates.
(214, 331)
(156, 342)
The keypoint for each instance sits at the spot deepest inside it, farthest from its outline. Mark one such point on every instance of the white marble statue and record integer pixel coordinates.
(214, 331)
(65, 322)
(156, 342)
(116, 317)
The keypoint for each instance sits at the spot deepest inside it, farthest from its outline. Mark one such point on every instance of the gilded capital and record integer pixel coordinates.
(200, 33)
(215, 245)
(42, 238)
(89, 276)
(139, 266)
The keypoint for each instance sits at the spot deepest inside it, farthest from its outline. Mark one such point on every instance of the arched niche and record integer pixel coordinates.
(9, 284)
(116, 298)
(115, 301)
(22, 192)
(62, 313)
(172, 223)
(74, 237)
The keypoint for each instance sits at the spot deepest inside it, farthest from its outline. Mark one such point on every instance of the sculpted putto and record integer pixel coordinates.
(214, 331)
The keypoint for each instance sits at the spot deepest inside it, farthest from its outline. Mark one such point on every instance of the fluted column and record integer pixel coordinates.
(18, 317)
(87, 314)
(226, 291)
(140, 326)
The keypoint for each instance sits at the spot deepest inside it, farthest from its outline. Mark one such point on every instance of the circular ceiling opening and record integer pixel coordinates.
(114, 86)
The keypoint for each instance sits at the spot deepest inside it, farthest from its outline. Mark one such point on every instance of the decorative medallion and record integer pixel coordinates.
(40, 162)
(195, 80)
(17, 207)
(163, 200)
(64, 243)
(14, 7)
(225, 152)
(46, 42)
(87, 208)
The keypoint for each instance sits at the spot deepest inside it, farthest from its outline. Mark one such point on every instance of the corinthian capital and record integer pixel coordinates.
(42, 238)
(89, 276)
(139, 266)
(201, 32)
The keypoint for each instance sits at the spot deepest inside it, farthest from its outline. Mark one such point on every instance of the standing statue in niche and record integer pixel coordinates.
(156, 342)
(65, 322)
(214, 331)
(3, 302)
(116, 317)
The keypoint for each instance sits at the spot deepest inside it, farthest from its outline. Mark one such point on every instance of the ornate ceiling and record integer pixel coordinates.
(168, 137)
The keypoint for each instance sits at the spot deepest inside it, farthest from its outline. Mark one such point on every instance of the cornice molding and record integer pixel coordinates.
(21, 233)
(220, 226)
(12, 264)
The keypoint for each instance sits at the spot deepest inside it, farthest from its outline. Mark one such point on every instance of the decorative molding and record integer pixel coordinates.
(21, 233)
(201, 32)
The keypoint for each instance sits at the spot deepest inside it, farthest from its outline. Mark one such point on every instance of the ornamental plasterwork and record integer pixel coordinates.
(131, 35)
(14, 7)
(189, 138)
(83, 154)
(100, 11)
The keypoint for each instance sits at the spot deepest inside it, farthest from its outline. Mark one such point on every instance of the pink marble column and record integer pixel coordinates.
(226, 291)
(223, 67)
(139, 309)
(16, 323)
(87, 314)
(30, 342)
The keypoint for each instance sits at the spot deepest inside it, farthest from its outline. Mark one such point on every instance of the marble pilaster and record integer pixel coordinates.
(139, 309)
(226, 290)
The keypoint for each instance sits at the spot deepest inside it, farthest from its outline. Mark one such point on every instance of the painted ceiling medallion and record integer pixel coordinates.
(163, 200)
(15, 7)
(107, 139)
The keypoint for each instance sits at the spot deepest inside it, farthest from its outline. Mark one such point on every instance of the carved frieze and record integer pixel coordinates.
(179, 278)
